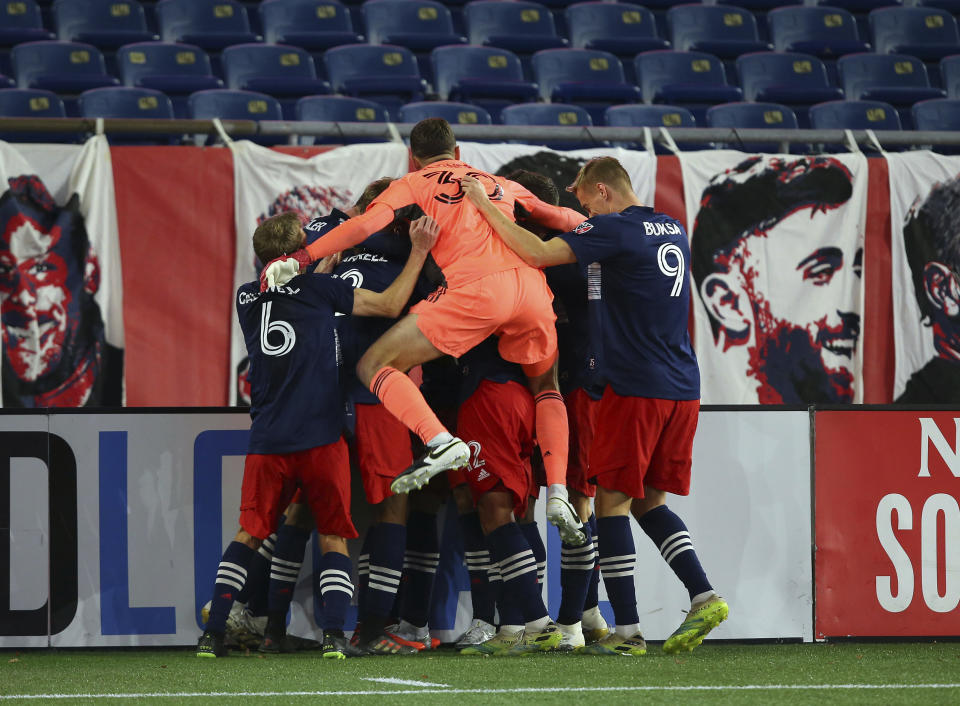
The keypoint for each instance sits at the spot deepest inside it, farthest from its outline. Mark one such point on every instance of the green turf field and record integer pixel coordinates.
(922, 673)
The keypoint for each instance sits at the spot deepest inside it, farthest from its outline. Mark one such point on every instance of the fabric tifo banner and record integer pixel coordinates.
(776, 246)
(61, 295)
(924, 225)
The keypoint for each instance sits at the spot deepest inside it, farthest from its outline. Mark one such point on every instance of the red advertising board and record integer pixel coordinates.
(887, 523)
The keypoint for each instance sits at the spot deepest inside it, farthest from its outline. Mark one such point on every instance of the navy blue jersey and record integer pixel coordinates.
(294, 354)
(316, 228)
(578, 332)
(483, 362)
(644, 301)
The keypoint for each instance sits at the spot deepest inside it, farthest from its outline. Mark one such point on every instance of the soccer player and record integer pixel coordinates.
(490, 291)
(648, 414)
(295, 437)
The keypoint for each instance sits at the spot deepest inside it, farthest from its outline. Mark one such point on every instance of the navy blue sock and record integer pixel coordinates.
(231, 576)
(386, 567)
(336, 589)
(419, 567)
(577, 566)
(285, 566)
(518, 569)
(673, 540)
(482, 593)
(532, 534)
(257, 587)
(617, 561)
(363, 569)
(593, 598)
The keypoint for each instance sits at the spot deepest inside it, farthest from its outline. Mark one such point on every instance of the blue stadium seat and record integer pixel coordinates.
(21, 22)
(176, 69)
(284, 72)
(545, 114)
(726, 32)
(752, 115)
(32, 103)
(521, 27)
(798, 80)
(210, 24)
(825, 32)
(386, 74)
(694, 80)
(314, 25)
(854, 115)
(453, 113)
(339, 109)
(950, 75)
(948, 5)
(937, 114)
(63, 67)
(619, 28)
(648, 116)
(761, 5)
(485, 76)
(124, 102)
(107, 24)
(225, 103)
(858, 5)
(6, 82)
(926, 33)
(421, 25)
(592, 79)
(892, 78)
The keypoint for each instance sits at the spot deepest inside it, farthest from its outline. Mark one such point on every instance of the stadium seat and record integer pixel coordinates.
(648, 116)
(589, 78)
(386, 74)
(892, 78)
(125, 102)
(948, 5)
(926, 33)
(339, 109)
(453, 113)
(854, 115)
(694, 80)
(314, 25)
(32, 103)
(63, 67)
(725, 32)
(521, 27)
(761, 5)
(937, 114)
(545, 114)
(857, 5)
(484, 76)
(798, 80)
(619, 28)
(229, 104)
(107, 24)
(176, 69)
(824, 32)
(210, 24)
(6, 82)
(752, 115)
(21, 21)
(420, 26)
(287, 73)
(950, 75)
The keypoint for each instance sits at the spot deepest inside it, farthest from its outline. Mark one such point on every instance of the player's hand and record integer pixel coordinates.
(474, 190)
(281, 270)
(327, 264)
(423, 233)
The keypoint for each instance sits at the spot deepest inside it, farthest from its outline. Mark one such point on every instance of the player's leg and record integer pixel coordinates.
(577, 570)
(290, 547)
(336, 590)
(477, 557)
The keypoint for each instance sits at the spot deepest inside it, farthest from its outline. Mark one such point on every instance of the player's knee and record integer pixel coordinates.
(393, 510)
(245, 537)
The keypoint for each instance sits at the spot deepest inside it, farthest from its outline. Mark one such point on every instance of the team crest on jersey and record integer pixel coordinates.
(583, 228)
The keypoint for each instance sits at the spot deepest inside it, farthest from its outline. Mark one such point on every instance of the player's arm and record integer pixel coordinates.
(390, 302)
(533, 251)
(558, 218)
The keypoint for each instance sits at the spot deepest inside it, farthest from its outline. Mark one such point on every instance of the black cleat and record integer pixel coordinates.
(210, 644)
(336, 646)
(383, 644)
(435, 460)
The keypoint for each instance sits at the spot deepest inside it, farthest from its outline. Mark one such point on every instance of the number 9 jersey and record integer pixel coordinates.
(294, 361)
(644, 302)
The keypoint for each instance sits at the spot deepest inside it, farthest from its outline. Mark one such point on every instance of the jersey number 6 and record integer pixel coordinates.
(268, 327)
(675, 271)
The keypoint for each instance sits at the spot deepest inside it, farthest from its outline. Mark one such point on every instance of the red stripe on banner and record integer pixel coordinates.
(669, 195)
(878, 349)
(176, 221)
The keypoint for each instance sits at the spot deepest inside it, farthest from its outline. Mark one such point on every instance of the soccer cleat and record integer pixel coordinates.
(496, 646)
(338, 647)
(543, 641)
(211, 644)
(592, 635)
(243, 628)
(700, 621)
(435, 460)
(412, 636)
(571, 638)
(595, 628)
(479, 632)
(614, 644)
(560, 514)
(383, 644)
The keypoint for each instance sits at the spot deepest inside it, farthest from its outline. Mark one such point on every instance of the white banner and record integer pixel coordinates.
(61, 293)
(118, 522)
(925, 225)
(779, 324)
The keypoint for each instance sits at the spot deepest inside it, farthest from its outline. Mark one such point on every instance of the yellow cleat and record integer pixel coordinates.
(700, 620)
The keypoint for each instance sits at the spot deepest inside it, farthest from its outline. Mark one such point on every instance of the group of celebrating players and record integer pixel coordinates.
(475, 260)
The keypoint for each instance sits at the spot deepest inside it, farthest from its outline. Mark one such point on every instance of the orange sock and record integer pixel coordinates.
(553, 435)
(404, 401)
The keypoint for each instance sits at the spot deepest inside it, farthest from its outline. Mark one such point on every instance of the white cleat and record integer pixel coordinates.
(560, 514)
(435, 460)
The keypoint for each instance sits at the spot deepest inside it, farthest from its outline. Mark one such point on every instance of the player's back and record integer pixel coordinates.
(293, 349)
(467, 248)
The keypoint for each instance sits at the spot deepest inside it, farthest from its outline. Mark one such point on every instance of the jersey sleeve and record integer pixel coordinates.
(338, 293)
(553, 217)
(591, 242)
(397, 196)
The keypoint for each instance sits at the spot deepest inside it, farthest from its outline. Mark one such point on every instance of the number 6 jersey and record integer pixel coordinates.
(294, 356)
(644, 301)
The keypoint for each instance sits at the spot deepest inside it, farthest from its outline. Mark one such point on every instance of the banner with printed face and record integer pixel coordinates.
(776, 244)
(925, 227)
(61, 294)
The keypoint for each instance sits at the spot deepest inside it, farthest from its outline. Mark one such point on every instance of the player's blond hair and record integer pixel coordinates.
(278, 235)
(603, 170)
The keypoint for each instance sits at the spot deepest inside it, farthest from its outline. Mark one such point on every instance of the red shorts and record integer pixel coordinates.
(497, 423)
(582, 413)
(270, 481)
(640, 440)
(383, 449)
(516, 305)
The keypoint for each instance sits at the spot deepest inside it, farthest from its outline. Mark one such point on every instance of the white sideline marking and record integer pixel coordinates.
(405, 682)
(523, 690)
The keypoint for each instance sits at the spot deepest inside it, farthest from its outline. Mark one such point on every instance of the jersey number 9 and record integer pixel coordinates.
(671, 270)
